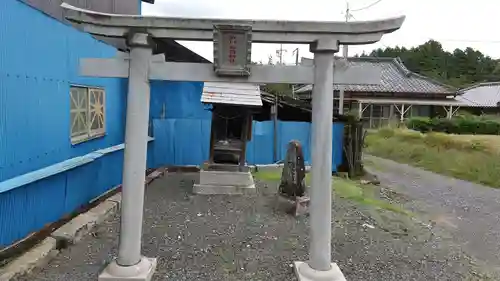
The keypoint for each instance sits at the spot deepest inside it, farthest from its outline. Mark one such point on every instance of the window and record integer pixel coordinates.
(88, 119)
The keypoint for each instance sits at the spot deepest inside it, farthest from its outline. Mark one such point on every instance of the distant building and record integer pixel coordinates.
(482, 98)
(401, 94)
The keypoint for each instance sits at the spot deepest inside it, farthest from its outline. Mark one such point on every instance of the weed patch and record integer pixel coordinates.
(343, 188)
(468, 158)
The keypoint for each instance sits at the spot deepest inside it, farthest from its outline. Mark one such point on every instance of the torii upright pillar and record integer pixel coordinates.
(319, 266)
(130, 264)
(140, 66)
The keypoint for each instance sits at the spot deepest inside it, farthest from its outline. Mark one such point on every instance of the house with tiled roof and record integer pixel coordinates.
(400, 95)
(482, 98)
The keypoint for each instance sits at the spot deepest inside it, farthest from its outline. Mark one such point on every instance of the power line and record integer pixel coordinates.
(367, 7)
(447, 40)
(345, 49)
(458, 40)
(468, 41)
(349, 15)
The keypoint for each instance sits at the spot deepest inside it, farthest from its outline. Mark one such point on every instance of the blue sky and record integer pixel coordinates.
(456, 24)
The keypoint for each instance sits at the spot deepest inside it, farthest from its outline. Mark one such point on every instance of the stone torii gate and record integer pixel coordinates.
(232, 50)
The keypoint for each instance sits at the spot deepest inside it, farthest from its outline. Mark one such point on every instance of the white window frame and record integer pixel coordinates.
(86, 109)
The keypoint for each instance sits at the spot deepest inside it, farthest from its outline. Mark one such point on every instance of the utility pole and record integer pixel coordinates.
(274, 112)
(280, 52)
(296, 53)
(345, 51)
(345, 48)
(347, 16)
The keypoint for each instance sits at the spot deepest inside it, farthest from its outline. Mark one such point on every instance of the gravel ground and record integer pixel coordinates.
(470, 212)
(247, 238)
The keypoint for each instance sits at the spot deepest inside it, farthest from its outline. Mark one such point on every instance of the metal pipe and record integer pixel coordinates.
(345, 52)
(275, 129)
(321, 189)
(134, 167)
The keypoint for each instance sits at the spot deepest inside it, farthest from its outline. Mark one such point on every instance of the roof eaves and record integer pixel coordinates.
(398, 63)
(482, 84)
(371, 59)
(408, 73)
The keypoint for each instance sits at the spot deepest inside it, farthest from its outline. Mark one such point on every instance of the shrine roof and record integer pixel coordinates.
(396, 78)
(231, 93)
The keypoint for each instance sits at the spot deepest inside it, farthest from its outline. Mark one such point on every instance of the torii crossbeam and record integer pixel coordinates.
(232, 49)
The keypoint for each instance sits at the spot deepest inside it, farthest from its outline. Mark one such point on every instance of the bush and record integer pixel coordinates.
(410, 135)
(463, 124)
(422, 124)
(386, 132)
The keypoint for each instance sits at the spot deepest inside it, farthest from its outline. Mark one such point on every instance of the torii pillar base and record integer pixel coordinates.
(305, 273)
(143, 271)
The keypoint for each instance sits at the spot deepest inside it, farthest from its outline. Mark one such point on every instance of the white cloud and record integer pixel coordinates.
(456, 24)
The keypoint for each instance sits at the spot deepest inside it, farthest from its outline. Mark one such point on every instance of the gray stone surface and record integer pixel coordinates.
(224, 182)
(68, 234)
(37, 256)
(143, 271)
(243, 238)
(308, 274)
(75, 229)
(470, 212)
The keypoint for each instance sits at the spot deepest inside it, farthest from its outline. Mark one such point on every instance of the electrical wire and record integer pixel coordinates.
(366, 7)
(469, 41)
(442, 40)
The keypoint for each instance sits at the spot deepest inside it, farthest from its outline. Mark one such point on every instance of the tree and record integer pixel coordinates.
(459, 68)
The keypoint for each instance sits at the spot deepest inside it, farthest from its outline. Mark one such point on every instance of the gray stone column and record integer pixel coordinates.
(130, 265)
(319, 266)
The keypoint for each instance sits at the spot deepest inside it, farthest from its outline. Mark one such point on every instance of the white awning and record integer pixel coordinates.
(232, 93)
(443, 102)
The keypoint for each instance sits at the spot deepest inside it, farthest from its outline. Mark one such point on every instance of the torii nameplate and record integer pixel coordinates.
(232, 50)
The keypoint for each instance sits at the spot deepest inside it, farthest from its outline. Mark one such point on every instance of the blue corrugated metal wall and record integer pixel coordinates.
(186, 141)
(181, 128)
(177, 100)
(38, 62)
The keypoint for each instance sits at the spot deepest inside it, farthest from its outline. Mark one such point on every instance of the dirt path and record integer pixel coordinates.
(471, 212)
(245, 238)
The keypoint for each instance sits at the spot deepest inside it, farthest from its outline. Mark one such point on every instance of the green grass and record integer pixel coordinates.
(268, 175)
(343, 188)
(363, 195)
(468, 158)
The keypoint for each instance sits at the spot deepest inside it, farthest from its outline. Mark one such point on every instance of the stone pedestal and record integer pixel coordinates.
(305, 273)
(295, 207)
(143, 271)
(225, 179)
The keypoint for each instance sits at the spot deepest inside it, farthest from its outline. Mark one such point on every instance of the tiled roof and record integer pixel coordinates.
(231, 93)
(396, 78)
(481, 95)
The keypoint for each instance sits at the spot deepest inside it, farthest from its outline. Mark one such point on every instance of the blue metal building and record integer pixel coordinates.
(54, 156)
(61, 134)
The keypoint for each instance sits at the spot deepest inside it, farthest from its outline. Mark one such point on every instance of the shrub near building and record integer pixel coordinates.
(463, 125)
